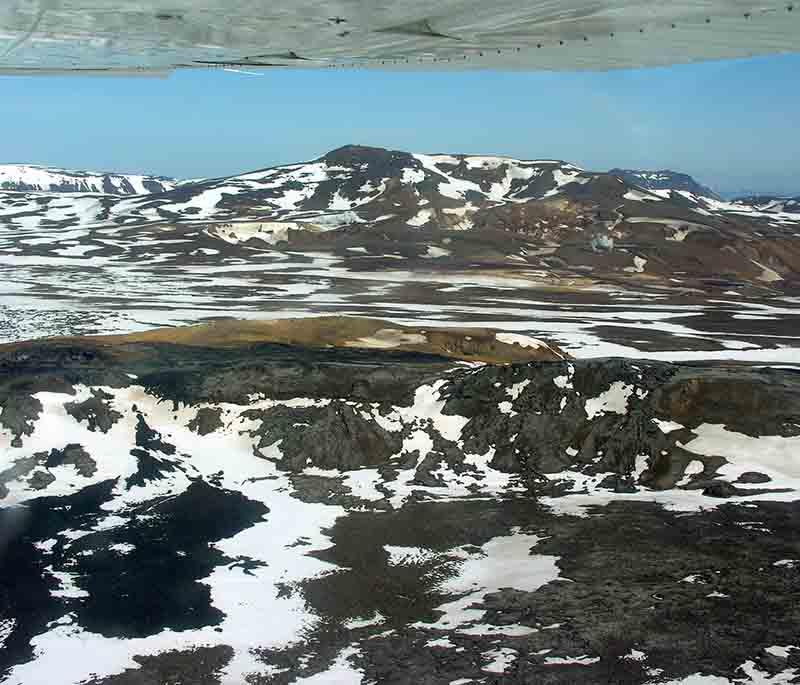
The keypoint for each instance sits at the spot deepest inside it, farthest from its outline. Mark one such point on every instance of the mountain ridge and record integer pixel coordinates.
(39, 178)
(123, 183)
(362, 204)
(664, 179)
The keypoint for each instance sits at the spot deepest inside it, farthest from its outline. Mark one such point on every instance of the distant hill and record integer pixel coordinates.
(771, 203)
(32, 178)
(664, 180)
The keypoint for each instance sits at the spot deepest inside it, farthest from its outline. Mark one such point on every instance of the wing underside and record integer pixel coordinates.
(44, 36)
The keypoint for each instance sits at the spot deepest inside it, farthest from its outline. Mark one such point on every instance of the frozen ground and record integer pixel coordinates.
(83, 294)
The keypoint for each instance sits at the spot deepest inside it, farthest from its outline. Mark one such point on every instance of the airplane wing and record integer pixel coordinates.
(152, 36)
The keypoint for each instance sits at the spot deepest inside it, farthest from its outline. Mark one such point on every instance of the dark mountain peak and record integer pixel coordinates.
(663, 179)
(360, 154)
(355, 148)
(377, 162)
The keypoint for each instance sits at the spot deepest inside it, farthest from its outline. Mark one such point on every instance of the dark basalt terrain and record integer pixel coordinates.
(427, 520)
(425, 486)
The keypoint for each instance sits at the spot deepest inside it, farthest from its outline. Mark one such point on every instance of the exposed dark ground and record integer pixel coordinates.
(638, 593)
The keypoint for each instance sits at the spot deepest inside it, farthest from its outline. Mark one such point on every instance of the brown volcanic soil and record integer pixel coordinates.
(471, 344)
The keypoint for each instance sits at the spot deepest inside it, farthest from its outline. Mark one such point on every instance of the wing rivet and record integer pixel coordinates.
(708, 20)
(561, 42)
(747, 15)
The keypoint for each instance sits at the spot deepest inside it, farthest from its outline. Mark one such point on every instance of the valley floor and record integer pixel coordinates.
(594, 323)
(38, 300)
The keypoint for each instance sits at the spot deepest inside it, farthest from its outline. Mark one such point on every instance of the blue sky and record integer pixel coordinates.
(731, 124)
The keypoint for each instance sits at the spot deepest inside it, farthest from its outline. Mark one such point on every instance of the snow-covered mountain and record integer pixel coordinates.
(359, 186)
(377, 184)
(664, 180)
(353, 185)
(32, 178)
(366, 202)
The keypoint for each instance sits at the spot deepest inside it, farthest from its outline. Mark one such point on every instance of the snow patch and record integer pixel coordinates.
(501, 659)
(615, 399)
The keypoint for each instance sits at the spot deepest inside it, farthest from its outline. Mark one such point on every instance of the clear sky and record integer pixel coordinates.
(733, 124)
